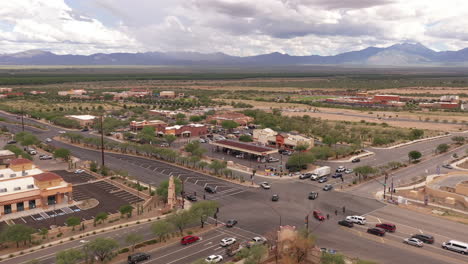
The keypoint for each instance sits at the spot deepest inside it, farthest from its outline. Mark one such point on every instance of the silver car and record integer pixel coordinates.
(265, 185)
(413, 242)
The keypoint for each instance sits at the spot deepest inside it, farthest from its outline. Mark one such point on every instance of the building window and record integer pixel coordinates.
(30, 186)
(16, 188)
(1, 175)
(3, 190)
(12, 175)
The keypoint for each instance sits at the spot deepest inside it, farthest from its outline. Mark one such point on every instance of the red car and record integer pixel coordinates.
(387, 227)
(189, 240)
(318, 215)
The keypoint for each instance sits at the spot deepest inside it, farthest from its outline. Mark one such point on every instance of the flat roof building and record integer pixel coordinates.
(84, 120)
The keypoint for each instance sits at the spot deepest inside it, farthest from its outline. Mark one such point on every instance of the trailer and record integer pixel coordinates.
(320, 172)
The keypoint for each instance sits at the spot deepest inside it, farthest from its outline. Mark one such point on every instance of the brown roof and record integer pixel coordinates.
(245, 146)
(20, 161)
(46, 176)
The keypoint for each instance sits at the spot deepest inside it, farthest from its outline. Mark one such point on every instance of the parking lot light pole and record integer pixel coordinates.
(102, 142)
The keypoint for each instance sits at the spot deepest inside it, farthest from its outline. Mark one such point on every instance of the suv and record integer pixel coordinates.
(340, 169)
(346, 223)
(387, 227)
(191, 198)
(356, 219)
(356, 160)
(275, 198)
(231, 223)
(376, 231)
(189, 240)
(138, 257)
(313, 195)
(337, 175)
(428, 239)
(210, 189)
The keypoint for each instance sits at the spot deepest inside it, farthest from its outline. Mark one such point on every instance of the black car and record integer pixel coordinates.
(346, 223)
(231, 222)
(210, 189)
(11, 142)
(428, 239)
(337, 175)
(275, 198)
(305, 176)
(191, 198)
(376, 231)
(138, 257)
(313, 195)
(356, 160)
(85, 129)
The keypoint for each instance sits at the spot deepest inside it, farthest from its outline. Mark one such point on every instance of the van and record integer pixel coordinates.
(356, 219)
(457, 246)
(137, 257)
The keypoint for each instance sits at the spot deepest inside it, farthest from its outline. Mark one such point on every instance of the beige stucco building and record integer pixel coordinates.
(269, 137)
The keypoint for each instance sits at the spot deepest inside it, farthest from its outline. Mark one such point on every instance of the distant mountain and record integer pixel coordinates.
(405, 54)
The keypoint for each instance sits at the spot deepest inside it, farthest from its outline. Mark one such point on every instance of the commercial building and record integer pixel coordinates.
(239, 118)
(167, 94)
(269, 137)
(72, 92)
(190, 130)
(23, 186)
(84, 120)
(158, 125)
(248, 148)
(5, 157)
(5, 90)
(135, 92)
(37, 92)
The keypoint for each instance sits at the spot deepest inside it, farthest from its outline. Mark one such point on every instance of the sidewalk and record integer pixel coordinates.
(367, 153)
(413, 142)
(34, 211)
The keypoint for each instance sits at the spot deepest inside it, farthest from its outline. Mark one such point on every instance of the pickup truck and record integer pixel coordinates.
(233, 249)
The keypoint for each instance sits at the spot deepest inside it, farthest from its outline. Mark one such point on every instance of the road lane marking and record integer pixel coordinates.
(421, 231)
(209, 243)
(379, 220)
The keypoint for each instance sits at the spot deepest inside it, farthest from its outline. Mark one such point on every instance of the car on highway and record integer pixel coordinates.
(164, 145)
(340, 169)
(138, 257)
(265, 185)
(328, 250)
(78, 171)
(376, 231)
(214, 259)
(447, 166)
(48, 140)
(11, 142)
(191, 198)
(62, 132)
(227, 241)
(346, 223)
(45, 157)
(322, 179)
(318, 215)
(355, 160)
(84, 241)
(327, 187)
(272, 159)
(231, 222)
(348, 171)
(457, 246)
(337, 175)
(186, 240)
(387, 227)
(428, 239)
(275, 198)
(85, 129)
(210, 189)
(413, 242)
(305, 176)
(255, 241)
(357, 219)
(313, 195)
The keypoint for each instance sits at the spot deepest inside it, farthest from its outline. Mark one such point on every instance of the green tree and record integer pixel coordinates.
(100, 217)
(93, 166)
(170, 139)
(229, 124)
(365, 171)
(181, 219)
(299, 161)
(301, 147)
(328, 258)
(245, 138)
(43, 232)
(110, 124)
(458, 140)
(416, 134)
(17, 233)
(73, 221)
(414, 155)
(62, 153)
(361, 261)
(161, 229)
(204, 209)
(329, 140)
(199, 261)
(26, 139)
(196, 118)
(147, 134)
(133, 239)
(126, 210)
(161, 191)
(102, 247)
(256, 254)
(69, 256)
(217, 165)
(195, 149)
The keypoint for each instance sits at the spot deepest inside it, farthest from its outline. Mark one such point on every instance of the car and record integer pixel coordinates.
(313, 195)
(214, 259)
(447, 166)
(85, 129)
(318, 215)
(210, 189)
(62, 132)
(322, 179)
(376, 231)
(240, 156)
(305, 176)
(259, 240)
(428, 239)
(327, 187)
(337, 175)
(231, 222)
(137, 257)
(340, 169)
(328, 250)
(265, 185)
(11, 142)
(457, 246)
(356, 219)
(387, 227)
(191, 198)
(186, 240)
(45, 157)
(78, 171)
(48, 140)
(355, 160)
(227, 241)
(271, 159)
(164, 145)
(84, 241)
(413, 241)
(346, 223)
(275, 198)
(201, 140)
(348, 171)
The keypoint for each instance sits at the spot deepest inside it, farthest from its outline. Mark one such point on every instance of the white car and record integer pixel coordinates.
(48, 140)
(348, 171)
(84, 241)
(259, 239)
(227, 241)
(62, 132)
(78, 171)
(265, 185)
(214, 259)
(341, 169)
(413, 241)
(357, 219)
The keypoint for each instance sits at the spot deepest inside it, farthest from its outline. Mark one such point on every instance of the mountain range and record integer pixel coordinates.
(405, 54)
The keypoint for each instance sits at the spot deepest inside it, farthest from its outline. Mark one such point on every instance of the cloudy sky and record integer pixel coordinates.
(235, 27)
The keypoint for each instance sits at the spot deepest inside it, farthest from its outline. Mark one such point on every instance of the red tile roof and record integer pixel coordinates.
(20, 161)
(246, 146)
(47, 176)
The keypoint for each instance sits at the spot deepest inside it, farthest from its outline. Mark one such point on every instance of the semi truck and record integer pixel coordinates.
(320, 172)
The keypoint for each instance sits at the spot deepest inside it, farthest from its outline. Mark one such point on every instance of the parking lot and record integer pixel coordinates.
(75, 178)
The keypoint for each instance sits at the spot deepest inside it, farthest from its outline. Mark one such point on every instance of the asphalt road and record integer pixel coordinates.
(257, 214)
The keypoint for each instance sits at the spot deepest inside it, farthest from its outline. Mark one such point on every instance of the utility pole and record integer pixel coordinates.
(385, 185)
(102, 143)
(391, 191)
(22, 118)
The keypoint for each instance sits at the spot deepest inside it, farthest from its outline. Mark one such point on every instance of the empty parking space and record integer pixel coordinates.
(74, 178)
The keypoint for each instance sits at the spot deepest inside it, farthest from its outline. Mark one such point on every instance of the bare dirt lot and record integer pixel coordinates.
(425, 90)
